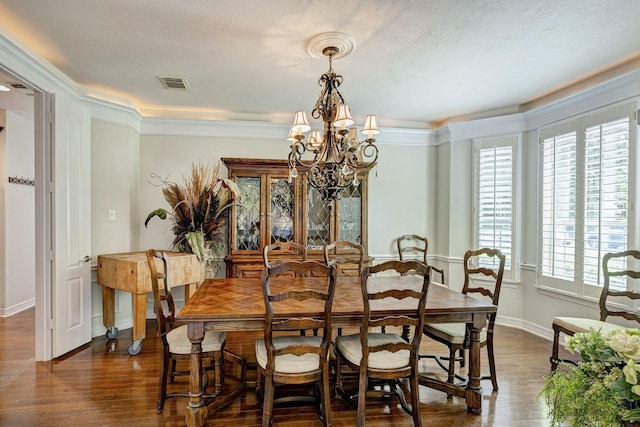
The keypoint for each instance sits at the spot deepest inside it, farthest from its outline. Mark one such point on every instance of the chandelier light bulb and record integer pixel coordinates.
(343, 117)
(292, 135)
(300, 123)
(352, 136)
(370, 126)
(315, 140)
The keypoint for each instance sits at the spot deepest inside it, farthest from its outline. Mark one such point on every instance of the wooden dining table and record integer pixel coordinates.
(236, 304)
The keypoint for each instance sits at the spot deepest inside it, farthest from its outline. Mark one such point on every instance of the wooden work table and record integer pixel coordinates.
(129, 272)
(236, 304)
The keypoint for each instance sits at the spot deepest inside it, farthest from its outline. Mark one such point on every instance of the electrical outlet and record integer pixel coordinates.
(112, 215)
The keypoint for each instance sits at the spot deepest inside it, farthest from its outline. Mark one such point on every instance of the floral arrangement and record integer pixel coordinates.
(603, 389)
(198, 210)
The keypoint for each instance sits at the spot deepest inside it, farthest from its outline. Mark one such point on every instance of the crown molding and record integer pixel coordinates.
(266, 130)
(33, 70)
(622, 88)
(482, 128)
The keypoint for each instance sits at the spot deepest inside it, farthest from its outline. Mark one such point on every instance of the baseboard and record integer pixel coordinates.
(17, 308)
(527, 326)
(98, 331)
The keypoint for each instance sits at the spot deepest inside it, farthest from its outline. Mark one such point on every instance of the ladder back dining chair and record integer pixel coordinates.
(386, 357)
(481, 265)
(295, 359)
(620, 270)
(412, 245)
(176, 346)
(348, 257)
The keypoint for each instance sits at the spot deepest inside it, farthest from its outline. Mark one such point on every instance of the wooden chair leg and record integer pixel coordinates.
(218, 361)
(326, 396)
(492, 362)
(259, 387)
(172, 370)
(362, 397)
(415, 399)
(554, 350)
(267, 405)
(452, 365)
(162, 387)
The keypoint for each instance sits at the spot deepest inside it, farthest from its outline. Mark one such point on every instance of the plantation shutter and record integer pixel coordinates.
(495, 196)
(606, 198)
(558, 184)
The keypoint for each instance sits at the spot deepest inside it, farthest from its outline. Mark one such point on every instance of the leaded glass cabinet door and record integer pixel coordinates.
(350, 214)
(281, 210)
(248, 214)
(318, 220)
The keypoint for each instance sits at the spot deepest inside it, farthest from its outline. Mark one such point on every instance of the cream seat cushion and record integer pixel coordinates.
(289, 363)
(581, 324)
(179, 342)
(453, 333)
(350, 347)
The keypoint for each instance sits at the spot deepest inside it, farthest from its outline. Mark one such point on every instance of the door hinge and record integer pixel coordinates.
(52, 187)
(50, 324)
(51, 255)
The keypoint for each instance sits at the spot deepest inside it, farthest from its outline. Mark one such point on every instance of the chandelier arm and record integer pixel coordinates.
(298, 148)
(369, 150)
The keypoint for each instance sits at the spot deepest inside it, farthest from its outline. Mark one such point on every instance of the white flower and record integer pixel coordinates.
(629, 371)
(626, 343)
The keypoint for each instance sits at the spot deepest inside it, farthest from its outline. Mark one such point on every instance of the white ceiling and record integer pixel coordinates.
(417, 63)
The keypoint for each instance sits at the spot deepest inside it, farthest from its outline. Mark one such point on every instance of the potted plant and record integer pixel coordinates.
(198, 211)
(602, 389)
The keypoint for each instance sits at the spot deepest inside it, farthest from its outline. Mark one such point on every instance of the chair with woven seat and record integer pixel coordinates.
(484, 264)
(412, 244)
(176, 345)
(617, 269)
(295, 359)
(348, 257)
(386, 357)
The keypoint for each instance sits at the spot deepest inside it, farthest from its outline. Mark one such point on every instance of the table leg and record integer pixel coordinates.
(196, 413)
(108, 307)
(139, 316)
(189, 290)
(473, 393)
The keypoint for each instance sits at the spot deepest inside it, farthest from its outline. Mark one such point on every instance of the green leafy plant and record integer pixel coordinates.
(198, 210)
(602, 390)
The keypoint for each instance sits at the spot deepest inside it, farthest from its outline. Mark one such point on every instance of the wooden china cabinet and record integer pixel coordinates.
(273, 209)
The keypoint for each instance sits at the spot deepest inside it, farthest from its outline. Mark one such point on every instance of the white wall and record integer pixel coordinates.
(115, 162)
(398, 186)
(400, 197)
(17, 281)
(3, 188)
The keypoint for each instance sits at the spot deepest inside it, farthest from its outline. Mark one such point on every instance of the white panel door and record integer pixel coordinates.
(71, 293)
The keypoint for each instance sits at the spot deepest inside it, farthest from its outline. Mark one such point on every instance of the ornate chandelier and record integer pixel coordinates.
(337, 153)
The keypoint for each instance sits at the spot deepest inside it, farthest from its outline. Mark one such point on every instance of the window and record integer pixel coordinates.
(495, 195)
(585, 198)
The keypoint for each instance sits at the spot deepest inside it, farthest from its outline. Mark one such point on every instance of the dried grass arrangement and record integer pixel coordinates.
(199, 208)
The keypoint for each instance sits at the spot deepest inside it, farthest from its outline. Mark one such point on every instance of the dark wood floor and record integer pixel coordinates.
(101, 385)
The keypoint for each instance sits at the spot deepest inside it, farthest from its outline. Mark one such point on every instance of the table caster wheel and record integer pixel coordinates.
(134, 348)
(112, 332)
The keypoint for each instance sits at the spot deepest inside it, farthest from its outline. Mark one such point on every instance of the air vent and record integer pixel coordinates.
(18, 86)
(174, 83)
